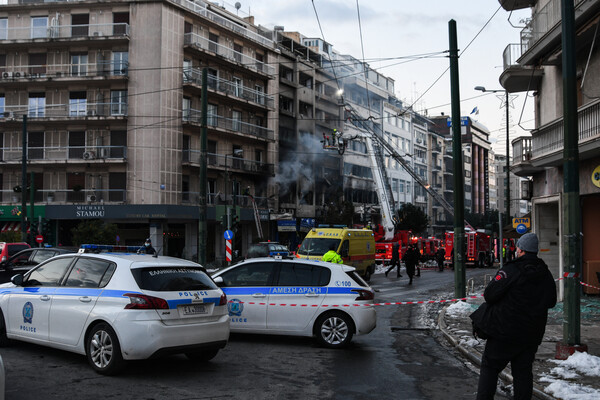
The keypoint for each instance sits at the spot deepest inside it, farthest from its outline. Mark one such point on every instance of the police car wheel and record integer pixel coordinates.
(367, 276)
(204, 355)
(4, 341)
(103, 350)
(334, 330)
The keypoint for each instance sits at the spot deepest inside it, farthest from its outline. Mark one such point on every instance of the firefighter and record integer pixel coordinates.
(332, 256)
(411, 259)
(395, 262)
(440, 254)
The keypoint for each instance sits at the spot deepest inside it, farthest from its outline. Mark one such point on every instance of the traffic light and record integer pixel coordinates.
(224, 220)
(33, 227)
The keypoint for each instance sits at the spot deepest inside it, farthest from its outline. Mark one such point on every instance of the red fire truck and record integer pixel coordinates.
(479, 248)
(383, 248)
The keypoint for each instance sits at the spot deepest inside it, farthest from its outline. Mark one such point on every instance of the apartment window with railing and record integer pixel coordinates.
(187, 70)
(37, 105)
(213, 41)
(35, 145)
(80, 25)
(211, 117)
(118, 102)
(3, 28)
(117, 182)
(237, 52)
(2, 104)
(120, 21)
(236, 117)
(187, 108)
(77, 104)
(118, 144)
(76, 144)
(79, 64)
(39, 27)
(237, 87)
(260, 94)
(120, 62)
(185, 188)
(37, 64)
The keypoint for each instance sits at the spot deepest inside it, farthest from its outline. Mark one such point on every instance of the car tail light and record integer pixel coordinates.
(364, 294)
(142, 302)
(223, 301)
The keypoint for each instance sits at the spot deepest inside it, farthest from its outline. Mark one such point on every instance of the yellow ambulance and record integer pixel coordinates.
(355, 246)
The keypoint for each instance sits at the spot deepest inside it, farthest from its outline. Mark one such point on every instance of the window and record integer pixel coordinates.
(35, 145)
(237, 87)
(76, 144)
(80, 25)
(120, 62)
(3, 28)
(120, 21)
(79, 64)
(236, 121)
(48, 274)
(161, 279)
(260, 94)
(37, 105)
(88, 272)
(213, 42)
(303, 275)
(2, 104)
(254, 274)
(211, 115)
(187, 108)
(77, 104)
(116, 186)
(118, 143)
(39, 27)
(118, 102)
(237, 52)
(75, 184)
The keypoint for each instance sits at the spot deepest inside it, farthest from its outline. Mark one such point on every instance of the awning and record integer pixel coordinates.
(13, 226)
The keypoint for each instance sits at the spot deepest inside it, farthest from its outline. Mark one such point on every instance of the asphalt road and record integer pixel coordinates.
(405, 357)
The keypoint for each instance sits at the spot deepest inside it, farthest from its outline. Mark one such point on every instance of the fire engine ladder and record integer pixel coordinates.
(377, 137)
(256, 218)
(471, 245)
(384, 191)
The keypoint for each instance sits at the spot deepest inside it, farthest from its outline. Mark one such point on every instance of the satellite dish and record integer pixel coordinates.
(238, 5)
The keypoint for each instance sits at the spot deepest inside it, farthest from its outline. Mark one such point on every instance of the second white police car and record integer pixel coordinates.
(114, 307)
(298, 297)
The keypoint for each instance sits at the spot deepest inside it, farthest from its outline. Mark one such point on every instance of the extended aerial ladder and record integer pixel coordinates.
(376, 137)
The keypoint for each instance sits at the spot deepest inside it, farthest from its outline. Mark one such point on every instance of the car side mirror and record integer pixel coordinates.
(17, 280)
(219, 281)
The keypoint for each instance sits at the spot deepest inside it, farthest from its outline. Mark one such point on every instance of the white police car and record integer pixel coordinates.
(298, 297)
(116, 306)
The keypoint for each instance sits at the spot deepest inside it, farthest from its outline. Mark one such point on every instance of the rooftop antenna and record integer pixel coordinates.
(238, 5)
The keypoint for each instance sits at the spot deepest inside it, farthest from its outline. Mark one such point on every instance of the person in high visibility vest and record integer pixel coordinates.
(331, 256)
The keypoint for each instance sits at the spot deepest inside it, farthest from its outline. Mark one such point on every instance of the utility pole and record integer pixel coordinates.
(24, 182)
(459, 209)
(508, 219)
(571, 207)
(202, 174)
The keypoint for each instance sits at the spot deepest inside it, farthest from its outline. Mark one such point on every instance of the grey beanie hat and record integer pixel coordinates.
(528, 242)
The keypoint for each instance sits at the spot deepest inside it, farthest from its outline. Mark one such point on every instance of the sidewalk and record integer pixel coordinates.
(576, 378)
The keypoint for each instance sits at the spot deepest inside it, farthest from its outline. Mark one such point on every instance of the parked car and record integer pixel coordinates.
(26, 259)
(298, 297)
(10, 249)
(115, 307)
(267, 249)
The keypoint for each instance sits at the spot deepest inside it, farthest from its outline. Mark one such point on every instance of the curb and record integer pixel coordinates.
(474, 357)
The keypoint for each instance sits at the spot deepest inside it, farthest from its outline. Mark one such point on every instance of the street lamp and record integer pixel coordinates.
(483, 89)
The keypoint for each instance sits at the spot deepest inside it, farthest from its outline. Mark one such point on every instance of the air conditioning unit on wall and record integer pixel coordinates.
(89, 155)
(91, 197)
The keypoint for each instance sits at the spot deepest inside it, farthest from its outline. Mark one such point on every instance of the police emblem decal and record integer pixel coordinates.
(28, 312)
(235, 307)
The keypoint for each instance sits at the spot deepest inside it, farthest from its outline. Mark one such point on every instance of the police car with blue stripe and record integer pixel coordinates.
(114, 307)
(298, 297)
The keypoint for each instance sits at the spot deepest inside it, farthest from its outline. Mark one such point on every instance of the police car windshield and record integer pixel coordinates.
(161, 279)
(317, 246)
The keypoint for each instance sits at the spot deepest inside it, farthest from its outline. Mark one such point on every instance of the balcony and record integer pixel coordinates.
(202, 8)
(229, 163)
(228, 124)
(541, 38)
(547, 142)
(70, 154)
(68, 196)
(56, 32)
(517, 78)
(71, 112)
(195, 40)
(62, 72)
(511, 5)
(228, 88)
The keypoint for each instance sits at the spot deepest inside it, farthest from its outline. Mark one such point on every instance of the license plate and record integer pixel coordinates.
(192, 309)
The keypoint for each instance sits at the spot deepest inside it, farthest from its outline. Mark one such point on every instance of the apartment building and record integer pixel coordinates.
(111, 94)
(535, 65)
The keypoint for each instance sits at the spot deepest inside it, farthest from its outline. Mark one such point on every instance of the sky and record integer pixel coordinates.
(390, 33)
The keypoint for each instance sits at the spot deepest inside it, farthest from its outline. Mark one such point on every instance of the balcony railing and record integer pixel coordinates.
(521, 150)
(105, 68)
(220, 198)
(200, 8)
(71, 153)
(76, 110)
(229, 124)
(228, 53)
(229, 162)
(511, 54)
(194, 75)
(89, 196)
(65, 31)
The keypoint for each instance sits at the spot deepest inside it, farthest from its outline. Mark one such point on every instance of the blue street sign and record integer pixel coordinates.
(228, 234)
(521, 229)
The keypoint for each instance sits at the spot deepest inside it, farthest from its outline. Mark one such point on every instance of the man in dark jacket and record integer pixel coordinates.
(395, 262)
(518, 299)
(440, 255)
(411, 259)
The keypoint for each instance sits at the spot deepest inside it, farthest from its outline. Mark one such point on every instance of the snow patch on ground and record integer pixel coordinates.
(571, 369)
(459, 309)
